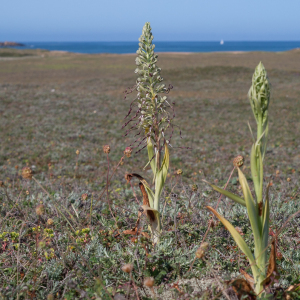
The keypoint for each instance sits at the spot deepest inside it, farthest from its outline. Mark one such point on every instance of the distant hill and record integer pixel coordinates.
(11, 44)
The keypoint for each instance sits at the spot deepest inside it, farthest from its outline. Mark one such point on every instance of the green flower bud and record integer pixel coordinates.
(259, 94)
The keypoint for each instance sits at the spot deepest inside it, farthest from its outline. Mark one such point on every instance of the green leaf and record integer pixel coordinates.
(229, 195)
(265, 139)
(266, 218)
(252, 212)
(260, 162)
(165, 164)
(149, 192)
(161, 177)
(151, 156)
(262, 255)
(251, 132)
(238, 239)
(260, 138)
(254, 171)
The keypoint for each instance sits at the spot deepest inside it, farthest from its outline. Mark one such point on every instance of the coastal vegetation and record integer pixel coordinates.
(71, 223)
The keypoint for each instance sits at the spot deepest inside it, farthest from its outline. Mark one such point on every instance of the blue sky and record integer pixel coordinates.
(171, 20)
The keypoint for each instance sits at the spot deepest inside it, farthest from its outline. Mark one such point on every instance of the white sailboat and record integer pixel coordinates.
(221, 42)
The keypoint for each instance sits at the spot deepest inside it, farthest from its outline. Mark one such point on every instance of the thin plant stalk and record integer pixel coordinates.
(134, 286)
(107, 193)
(113, 173)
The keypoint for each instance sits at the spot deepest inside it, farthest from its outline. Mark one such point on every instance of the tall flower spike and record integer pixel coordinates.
(259, 96)
(259, 93)
(152, 117)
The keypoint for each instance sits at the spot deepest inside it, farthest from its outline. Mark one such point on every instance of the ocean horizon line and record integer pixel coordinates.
(135, 41)
(127, 47)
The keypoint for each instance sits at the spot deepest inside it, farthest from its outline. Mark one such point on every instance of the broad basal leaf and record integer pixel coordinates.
(229, 195)
(238, 239)
(252, 212)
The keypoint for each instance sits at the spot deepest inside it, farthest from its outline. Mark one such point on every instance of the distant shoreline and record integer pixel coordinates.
(178, 53)
(7, 53)
(11, 44)
(129, 48)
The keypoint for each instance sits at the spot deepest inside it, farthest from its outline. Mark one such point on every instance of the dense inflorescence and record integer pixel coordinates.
(152, 117)
(259, 94)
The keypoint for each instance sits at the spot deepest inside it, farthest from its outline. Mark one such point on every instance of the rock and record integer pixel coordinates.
(11, 44)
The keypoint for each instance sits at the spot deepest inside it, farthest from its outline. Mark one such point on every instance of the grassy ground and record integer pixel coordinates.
(53, 103)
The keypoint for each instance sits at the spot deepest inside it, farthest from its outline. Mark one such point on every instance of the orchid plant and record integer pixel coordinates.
(152, 119)
(258, 208)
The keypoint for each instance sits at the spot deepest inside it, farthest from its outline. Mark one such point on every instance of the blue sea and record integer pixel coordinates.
(131, 47)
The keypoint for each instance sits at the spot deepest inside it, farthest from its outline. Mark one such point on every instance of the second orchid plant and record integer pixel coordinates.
(258, 208)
